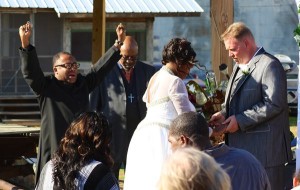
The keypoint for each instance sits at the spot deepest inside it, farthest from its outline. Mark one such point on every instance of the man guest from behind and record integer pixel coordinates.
(244, 170)
(63, 95)
(120, 97)
(255, 111)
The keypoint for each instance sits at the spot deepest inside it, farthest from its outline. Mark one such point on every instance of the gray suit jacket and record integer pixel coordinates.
(110, 98)
(259, 103)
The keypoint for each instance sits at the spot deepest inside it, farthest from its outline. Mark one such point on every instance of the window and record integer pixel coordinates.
(47, 39)
(82, 45)
(81, 40)
(11, 80)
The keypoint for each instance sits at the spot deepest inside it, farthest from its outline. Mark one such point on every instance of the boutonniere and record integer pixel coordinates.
(244, 68)
(246, 72)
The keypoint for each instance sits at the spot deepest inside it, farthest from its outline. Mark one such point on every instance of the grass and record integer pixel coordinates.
(293, 125)
(121, 178)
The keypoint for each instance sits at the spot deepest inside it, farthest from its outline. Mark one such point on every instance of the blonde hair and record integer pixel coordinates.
(189, 168)
(237, 30)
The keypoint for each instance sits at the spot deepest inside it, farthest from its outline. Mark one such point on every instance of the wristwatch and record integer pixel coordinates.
(118, 42)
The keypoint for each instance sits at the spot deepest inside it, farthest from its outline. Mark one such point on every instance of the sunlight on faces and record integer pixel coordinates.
(129, 52)
(128, 61)
(174, 142)
(64, 74)
(237, 50)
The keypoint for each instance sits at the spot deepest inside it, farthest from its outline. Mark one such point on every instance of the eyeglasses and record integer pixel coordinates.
(129, 58)
(73, 65)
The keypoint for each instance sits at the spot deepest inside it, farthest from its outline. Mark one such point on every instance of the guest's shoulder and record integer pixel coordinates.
(244, 155)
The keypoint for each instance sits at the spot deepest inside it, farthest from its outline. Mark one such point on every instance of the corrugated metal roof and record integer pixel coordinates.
(157, 7)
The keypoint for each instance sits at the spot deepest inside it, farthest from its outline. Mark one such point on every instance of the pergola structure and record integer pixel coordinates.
(99, 22)
(221, 17)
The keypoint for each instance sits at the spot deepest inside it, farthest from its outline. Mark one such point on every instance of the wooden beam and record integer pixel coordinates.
(99, 25)
(221, 17)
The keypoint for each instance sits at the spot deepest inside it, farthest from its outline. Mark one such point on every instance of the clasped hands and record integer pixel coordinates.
(221, 125)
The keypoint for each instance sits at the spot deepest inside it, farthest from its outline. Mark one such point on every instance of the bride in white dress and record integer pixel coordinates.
(166, 97)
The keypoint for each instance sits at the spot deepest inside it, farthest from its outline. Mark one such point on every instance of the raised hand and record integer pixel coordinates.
(25, 33)
(121, 32)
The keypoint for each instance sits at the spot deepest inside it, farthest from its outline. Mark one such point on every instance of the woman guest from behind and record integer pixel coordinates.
(189, 168)
(83, 159)
(166, 97)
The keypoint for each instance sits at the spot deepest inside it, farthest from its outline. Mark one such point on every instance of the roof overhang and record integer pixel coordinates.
(114, 9)
(129, 15)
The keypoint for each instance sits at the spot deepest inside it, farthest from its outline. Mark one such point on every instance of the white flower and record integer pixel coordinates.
(244, 68)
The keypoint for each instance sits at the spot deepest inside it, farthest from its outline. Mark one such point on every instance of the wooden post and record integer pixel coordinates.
(99, 25)
(221, 16)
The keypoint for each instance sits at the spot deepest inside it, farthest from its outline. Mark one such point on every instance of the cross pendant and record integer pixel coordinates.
(130, 97)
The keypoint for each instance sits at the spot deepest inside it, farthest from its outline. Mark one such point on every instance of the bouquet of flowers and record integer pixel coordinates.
(208, 99)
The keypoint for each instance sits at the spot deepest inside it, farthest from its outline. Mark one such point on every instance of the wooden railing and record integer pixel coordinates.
(18, 114)
(23, 110)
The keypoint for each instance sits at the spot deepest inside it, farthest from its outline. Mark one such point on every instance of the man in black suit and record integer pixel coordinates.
(119, 97)
(63, 95)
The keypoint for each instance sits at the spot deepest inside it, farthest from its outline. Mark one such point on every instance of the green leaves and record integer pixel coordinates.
(297, 31)
(297, 34)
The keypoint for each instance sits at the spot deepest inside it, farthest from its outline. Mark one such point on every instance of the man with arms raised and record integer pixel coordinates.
(63, 95)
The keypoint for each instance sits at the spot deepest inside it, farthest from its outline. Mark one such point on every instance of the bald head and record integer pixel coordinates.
(129, 52)
(129, 47)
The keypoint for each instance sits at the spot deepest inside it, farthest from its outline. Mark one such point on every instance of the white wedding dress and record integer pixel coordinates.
(166, 97)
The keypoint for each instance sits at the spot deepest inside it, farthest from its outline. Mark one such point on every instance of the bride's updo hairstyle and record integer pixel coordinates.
(179, 51)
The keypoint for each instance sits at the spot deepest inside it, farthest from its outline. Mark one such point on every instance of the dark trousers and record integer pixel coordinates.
(276, 177)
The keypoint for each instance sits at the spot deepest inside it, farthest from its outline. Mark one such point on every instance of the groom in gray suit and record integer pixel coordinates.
(119, 97)
(255, 112)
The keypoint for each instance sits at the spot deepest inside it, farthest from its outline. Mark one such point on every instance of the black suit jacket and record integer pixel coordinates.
(59, 102)
(110, 98)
